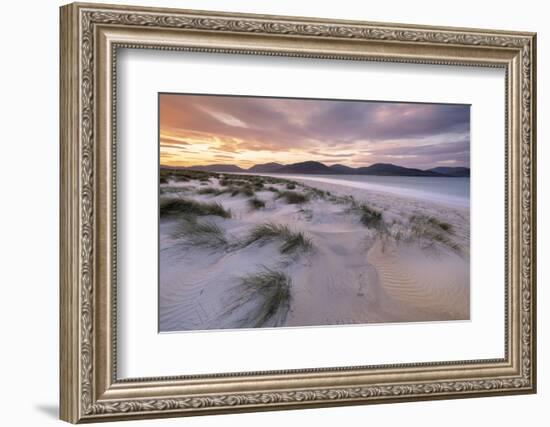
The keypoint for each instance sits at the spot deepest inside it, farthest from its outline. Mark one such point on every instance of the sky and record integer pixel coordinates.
(209, 129)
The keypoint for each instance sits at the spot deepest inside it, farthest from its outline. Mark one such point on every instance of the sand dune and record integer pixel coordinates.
(322, 264)
(333, 289)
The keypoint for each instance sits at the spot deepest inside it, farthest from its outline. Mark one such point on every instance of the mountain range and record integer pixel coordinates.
(318, 168)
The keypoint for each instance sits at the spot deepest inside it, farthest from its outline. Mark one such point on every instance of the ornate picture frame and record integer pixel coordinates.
(90, 37)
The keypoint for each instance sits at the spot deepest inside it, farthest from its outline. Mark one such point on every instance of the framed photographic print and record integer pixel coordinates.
(264, 212)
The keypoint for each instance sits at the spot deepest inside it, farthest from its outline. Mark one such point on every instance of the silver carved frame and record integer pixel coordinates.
(90, 37)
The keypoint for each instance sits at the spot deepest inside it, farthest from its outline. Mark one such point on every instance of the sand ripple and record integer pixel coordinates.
(426, 289)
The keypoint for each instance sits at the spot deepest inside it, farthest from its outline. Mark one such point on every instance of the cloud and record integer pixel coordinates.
(173, 146)
(320, 153)
(446, 148)
(315, 129)
(379, 121)
(176, 140)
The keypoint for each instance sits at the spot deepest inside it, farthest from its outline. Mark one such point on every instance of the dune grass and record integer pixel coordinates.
(230, 182)
(431, 222)
(292, 197)
(266, 297)
(180, 178)
(318, 193)
(245, 185)
(258, 184)
(183, 206)
(238, 187)
(445, 226)
(256, 203)
(432, 229)
(209, 190)
(292, 241)
(174, 190)
(369, 217)
(206, 234)
(245, 190)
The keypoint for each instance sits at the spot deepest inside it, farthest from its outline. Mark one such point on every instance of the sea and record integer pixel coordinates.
(447, 190)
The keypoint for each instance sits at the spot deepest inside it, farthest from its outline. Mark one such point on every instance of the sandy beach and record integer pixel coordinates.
(245, 251)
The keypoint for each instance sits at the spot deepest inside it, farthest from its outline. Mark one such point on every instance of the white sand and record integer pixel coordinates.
(354, 274)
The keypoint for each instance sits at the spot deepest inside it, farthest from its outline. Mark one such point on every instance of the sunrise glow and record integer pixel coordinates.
(244, 131)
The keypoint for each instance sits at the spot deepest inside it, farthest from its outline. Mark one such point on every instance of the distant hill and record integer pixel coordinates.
(318, 168)
(343, 169)
(390, 169)
(266, 167)
(306, 168)
(452, 171)
(217, 168)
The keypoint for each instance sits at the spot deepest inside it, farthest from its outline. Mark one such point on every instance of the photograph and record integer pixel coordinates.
(281, 210)
(287, 212)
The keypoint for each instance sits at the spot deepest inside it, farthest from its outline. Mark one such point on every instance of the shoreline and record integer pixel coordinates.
(434, 198)
(396, 207)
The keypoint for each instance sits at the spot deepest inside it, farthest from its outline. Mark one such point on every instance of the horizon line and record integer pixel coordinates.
(314, 161)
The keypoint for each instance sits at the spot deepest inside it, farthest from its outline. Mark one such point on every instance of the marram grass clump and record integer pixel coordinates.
(262, 299)
(293, 197)
(205, 234)
(370, 217)
(432, 229)
(291, 241)
(256, 203)
(183, 206)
